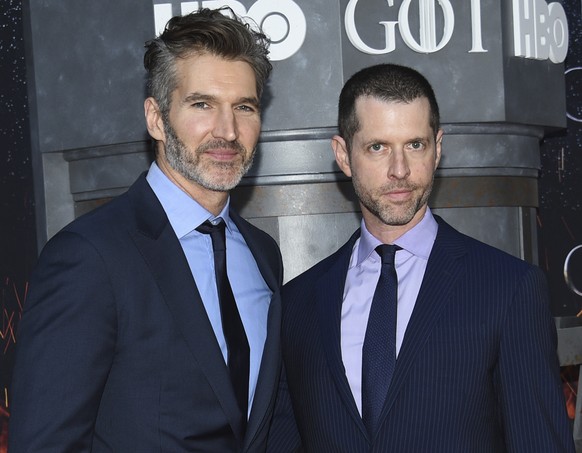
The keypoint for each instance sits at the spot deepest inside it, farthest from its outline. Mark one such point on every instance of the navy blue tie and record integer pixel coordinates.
(379, 350)
(232, 326)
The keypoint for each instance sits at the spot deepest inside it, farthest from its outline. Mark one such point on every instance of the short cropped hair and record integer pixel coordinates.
(386, 82)
(203, 32)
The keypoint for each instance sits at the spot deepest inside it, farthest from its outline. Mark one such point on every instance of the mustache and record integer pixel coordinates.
(217, 143)
(399, 186)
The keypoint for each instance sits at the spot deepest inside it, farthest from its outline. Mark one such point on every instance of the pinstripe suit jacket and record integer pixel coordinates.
(477, 370)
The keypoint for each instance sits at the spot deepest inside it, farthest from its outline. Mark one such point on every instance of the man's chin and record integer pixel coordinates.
(223, 184)
(220, 187)
(396, 217)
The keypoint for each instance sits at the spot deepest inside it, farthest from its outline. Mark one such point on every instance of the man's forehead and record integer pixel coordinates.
(364, 99)
(364, 104)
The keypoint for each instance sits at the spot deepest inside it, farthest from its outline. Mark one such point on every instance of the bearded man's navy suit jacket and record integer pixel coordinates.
(477, 370)
(115, 350)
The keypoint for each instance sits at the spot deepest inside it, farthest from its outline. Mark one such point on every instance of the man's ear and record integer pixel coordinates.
(154, 121)
(438, 147)
(342, 156)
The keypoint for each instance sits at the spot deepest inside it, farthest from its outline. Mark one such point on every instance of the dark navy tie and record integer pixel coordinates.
(232, 326)
(379, 350)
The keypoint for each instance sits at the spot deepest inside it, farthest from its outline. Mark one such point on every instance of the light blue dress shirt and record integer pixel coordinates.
(361, 280)
(250, 291)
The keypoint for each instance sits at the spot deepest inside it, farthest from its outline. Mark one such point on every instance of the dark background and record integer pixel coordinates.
(560, 184)
(17, 223)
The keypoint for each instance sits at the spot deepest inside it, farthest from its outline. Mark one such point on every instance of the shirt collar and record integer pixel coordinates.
(418, 240)
(184, 213)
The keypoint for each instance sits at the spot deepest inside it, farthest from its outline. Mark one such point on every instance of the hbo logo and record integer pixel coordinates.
(281, 20)
(540, 30)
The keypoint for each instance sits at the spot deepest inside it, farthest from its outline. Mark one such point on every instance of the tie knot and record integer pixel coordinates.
(387, 253)
(209, 228)
(216, 233)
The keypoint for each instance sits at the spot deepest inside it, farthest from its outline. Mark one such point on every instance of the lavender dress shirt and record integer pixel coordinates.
(361, 280)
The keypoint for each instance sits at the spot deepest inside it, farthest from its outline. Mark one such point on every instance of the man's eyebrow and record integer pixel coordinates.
(426, 139)
(198, 97)
(250, 100)
(201, 97)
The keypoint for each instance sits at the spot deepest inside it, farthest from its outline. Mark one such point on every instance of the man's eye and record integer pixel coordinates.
(246, 108)
(376, 147)
(416, 145)
(200, 105)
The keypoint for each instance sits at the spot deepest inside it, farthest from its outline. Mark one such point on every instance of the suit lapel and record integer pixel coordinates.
(269, 264)
(161, 249)
(329, 297)
(269, 372)
(444, 268)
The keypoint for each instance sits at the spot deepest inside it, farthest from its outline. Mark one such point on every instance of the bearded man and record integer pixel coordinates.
(412, 337)
(140, 332)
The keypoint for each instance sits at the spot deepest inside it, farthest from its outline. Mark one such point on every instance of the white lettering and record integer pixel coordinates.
(523, 30)
(354, 37)
(237, 7)
(428, 40)
(476, 39)
(162, 14)
(542, 51)
(272, 20)
(540, 31)
(558, 33)
(282, 21)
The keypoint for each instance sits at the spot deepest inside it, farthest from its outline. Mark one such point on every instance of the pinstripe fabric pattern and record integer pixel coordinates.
(477, 371)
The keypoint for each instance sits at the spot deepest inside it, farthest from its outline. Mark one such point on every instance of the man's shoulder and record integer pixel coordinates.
(330, 267)
(113, 212)
(477, 253)
(112, 218)
(246, 228)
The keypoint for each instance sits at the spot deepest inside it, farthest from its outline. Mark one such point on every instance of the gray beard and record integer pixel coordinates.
(190, 167)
